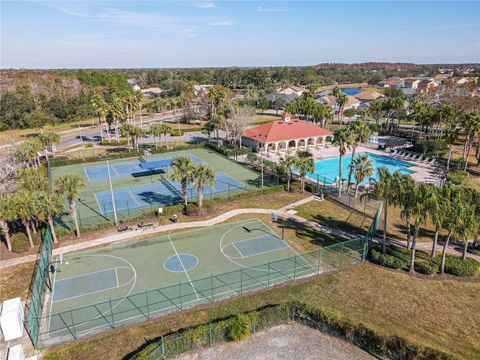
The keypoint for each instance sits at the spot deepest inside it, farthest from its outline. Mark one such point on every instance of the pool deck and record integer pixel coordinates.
(422, 172)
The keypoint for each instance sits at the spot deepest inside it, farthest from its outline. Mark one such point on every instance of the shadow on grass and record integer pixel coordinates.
(307, 233)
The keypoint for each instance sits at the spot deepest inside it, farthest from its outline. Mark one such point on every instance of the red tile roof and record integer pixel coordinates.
(280, 130)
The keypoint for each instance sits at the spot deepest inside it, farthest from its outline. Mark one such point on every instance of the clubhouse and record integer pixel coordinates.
(288, 135)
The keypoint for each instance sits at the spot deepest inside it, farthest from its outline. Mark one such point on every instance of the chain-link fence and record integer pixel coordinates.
(38, 288)
(87, 320)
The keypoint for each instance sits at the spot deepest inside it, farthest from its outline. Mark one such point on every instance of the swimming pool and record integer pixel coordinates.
(351, 91)
(327, 170)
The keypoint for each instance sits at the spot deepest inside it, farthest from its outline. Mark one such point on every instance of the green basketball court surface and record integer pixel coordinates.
(110, 286)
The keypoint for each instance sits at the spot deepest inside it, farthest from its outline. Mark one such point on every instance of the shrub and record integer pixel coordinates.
(457, 176)
(88, 145)
(113, 142)
(426, 267)
(387, 260)
(228, 151)
(240, 328)
(20, 242)
(431, 147)
(176, 132)
(454, 265)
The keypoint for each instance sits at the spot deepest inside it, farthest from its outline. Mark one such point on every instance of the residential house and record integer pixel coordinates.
(394, 82)
(331, 101)
(411, 83)
(152, 92)
(294, 89)
(367, 96)
(427, 86)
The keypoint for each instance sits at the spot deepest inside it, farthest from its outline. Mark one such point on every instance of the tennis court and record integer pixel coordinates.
(142, 184)
(160, 193)
(129, 168)
(105, 287)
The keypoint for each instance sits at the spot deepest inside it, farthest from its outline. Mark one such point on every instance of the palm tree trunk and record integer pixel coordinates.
(156, 141)
(302, 182)
(185, 194)
(434, 245)
(6, 234)
(466, 159)
(449, 156)
(356, 188)
(27, 230)
(289, 178)
(340, 175)
(414, 244)
(408, 233)
(350, 170)
(385, 216)
(200, 195)
(465, 248)
(444, 253)
(52, 228)
(73, 213)
(34, 228)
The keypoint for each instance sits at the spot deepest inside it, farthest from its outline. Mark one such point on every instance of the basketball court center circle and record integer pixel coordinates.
(180, 263)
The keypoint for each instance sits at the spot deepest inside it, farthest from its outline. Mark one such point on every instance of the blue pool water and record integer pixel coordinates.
(351, 91)
(328, 169)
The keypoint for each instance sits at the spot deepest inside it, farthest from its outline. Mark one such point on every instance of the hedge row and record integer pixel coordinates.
(227, 151)
(240, 326)
(399, 258)
(393, 347)
(63, 160)
(113, 142)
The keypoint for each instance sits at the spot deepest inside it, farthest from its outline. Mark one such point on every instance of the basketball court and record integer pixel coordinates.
(105, 287)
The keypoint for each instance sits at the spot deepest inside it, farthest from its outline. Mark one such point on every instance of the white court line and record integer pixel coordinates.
(193, 287)
(259, 253)
(116, 276)
(99, 206)
(86, 174)
(115, 170)
(133, 197)
(291, 248)
(51, 299)
(93, 272)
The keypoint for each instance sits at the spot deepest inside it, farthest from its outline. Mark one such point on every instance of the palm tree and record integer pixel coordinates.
(360, 132)
(453, 206)
(383, 191)
(203, 175)
(288, 164)
(436, 213)
(451, 136)
(32, 180)
(342, 139)
(138, 95)
(24, 210)
(50, 206)
(362, 169)
(69, 185)
(419, 214)
(156, 130)
(404, 188)
(304, 163)
(49, 139)
(7, 213)
(28, 152)
(471, 124)
(117, 112)
(101, 107)
(342, 100)
(183, 172)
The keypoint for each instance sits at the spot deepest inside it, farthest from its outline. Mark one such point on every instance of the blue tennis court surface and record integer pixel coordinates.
(163, 193)
(98, 173)
(259, 245)
(85, 284)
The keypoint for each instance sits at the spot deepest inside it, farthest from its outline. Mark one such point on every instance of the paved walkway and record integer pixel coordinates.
(284, 212)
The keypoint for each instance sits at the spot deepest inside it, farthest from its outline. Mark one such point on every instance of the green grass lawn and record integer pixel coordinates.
(262, 119)
(333, 214)
(443, 314)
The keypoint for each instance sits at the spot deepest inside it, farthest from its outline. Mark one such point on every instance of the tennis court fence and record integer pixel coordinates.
(88, 320)
(34, 305)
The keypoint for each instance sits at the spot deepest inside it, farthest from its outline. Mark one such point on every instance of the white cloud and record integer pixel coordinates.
(221, 22)
(205, 5)
(270, 9)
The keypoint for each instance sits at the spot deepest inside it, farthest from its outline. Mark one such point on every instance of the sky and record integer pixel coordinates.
(158, 34)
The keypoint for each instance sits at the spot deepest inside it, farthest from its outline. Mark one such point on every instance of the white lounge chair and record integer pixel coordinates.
(400, 153)
(426, 160)
(420, 158)
(432, 162)
(408, 156)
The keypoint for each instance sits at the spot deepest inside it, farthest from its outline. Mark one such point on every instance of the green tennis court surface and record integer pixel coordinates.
(106, 287)
(141, 190)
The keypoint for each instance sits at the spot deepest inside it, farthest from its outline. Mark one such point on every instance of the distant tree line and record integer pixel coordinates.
(22, 108)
